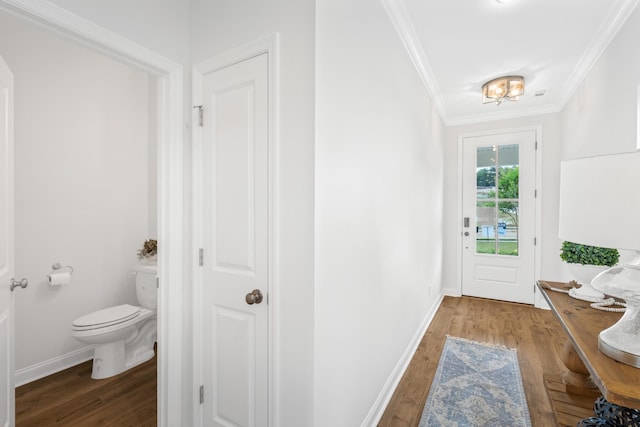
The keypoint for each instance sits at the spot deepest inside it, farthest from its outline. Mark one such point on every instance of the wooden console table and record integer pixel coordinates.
(590, 372)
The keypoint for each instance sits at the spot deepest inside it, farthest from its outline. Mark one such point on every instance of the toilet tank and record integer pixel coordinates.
(146, 289)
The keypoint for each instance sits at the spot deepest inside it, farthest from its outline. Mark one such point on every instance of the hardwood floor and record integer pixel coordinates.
(536, 334)
(72, 399)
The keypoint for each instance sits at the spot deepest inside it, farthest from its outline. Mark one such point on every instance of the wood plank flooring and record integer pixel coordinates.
(71, 398)
(536, 334)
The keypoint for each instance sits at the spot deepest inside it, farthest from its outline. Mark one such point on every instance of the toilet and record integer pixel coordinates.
(123, 335)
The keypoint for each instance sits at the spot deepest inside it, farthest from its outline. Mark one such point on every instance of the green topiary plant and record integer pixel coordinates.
(575, 253)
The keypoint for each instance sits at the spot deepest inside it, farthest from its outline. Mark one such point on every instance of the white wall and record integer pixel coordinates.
(216, 27)
(81, 176)
(602, 116)
(152, 158)
(379, 183)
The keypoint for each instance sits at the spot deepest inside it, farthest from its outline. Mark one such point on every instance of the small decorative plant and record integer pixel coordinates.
(574, 253)
(149, 249)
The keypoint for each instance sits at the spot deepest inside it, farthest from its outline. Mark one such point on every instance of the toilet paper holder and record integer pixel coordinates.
(57, 267)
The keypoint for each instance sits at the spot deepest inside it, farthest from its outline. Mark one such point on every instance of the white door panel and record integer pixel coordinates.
(235, 226)
(7, 395)
(499, 216)
(498, 274)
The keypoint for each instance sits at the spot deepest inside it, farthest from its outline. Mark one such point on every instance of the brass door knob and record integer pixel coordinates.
(254, 297)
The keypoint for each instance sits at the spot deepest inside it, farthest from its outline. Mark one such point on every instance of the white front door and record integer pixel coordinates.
(7, 395)
(235, 281)
(498, 185)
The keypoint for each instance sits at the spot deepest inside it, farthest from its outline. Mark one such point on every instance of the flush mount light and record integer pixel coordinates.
(507, 87)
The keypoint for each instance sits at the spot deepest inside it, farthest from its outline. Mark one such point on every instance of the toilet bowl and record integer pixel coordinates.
(123, 335)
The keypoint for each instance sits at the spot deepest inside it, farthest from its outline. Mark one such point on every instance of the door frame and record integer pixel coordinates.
(171, 382)
(7, 316)
(270, 46)
(538, 202)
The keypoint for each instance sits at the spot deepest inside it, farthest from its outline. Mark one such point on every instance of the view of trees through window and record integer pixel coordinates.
(497, 201)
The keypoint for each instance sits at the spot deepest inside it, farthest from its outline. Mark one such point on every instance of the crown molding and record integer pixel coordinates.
(605, 34)
(397, 12)
(44, 12)
(503, 115)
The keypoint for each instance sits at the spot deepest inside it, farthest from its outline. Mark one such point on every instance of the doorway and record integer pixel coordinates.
(85, 179)
(172, 387)
(499, 215)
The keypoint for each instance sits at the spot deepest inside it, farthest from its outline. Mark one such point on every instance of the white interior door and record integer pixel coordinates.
(7, 395)
(498, 188)
(235, 137)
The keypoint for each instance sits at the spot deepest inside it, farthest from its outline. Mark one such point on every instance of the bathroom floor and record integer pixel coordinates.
(71, 398)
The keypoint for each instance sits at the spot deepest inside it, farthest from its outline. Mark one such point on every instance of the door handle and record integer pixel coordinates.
(254, 297)
(466, 233)
(22, 283)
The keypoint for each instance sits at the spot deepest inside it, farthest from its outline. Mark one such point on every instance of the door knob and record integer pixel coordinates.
(22, 283)
(466, 233)
(254, 297)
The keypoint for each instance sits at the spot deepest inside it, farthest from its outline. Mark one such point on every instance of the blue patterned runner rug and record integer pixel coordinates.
(476, 385)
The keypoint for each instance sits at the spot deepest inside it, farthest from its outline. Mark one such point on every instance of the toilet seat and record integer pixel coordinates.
(106, 317)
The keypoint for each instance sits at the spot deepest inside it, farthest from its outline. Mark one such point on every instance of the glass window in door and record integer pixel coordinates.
(497, 190)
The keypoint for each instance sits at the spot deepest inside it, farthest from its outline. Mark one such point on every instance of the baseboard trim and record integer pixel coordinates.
(51, 366)
(378, 408)
(451, 292)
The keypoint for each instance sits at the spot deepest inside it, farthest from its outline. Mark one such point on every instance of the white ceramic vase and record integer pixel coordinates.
(584, 274)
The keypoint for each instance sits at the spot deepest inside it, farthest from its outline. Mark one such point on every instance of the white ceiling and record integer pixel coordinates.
(457, 45)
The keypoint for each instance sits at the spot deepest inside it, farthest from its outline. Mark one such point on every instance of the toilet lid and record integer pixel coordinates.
(107, 316)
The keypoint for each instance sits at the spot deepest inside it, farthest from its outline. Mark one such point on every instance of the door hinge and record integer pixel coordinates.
(201, 394)
(535, 193)
(535, 241)
(200, 119)
(157, 282)
(536, 145)
(201, 257)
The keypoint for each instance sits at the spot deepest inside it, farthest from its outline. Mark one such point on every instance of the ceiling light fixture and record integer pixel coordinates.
(507, 87)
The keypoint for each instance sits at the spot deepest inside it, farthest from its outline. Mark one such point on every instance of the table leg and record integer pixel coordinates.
(577, 378)
(572, 393)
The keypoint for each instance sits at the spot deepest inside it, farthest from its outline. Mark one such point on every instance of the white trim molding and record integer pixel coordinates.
(269, 45)
(605, 34)
(504, 115)
(378, 408)
(54, 17)
(403, 24)
(171, 384)
(51, 366)
(399, 16)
